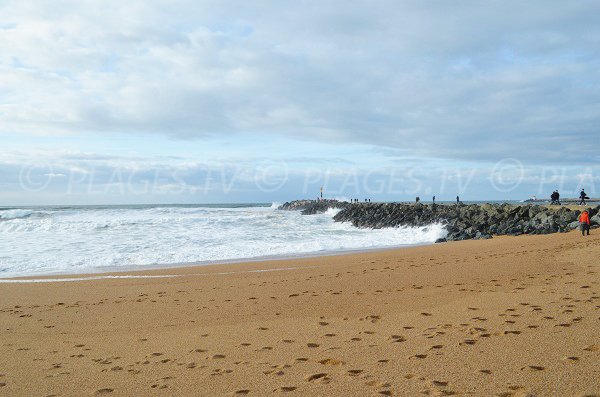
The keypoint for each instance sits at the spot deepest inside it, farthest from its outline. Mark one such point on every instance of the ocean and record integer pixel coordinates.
(91, 239)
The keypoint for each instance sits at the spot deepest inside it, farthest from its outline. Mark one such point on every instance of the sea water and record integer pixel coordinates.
(89, 239)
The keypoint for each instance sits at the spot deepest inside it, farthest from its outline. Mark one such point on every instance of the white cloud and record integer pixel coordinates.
(476, 81)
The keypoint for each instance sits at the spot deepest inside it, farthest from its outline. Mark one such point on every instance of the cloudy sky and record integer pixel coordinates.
(234, 101)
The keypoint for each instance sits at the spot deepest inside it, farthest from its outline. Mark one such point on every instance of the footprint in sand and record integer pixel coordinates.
(315, 377)
(331, 361)
(242, 392)
(101, 392)
(592, 348)
(286, 389)
(535, 367)
(439, 383)
(515, 391)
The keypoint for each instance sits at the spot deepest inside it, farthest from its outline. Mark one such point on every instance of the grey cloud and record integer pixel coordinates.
(475, 81)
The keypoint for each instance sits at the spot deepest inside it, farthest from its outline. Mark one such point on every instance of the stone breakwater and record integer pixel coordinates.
(463, 222)
(311, 207)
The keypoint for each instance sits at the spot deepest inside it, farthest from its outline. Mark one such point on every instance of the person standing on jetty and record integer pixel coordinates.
(555, 197)
(584, 221)
(457, 200)
(582, 197)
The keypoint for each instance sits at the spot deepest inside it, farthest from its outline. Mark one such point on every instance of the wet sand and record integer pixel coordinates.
(511, 316)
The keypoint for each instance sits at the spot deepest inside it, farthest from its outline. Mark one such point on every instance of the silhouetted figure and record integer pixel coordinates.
(457, 200)
(433, 200)
(555, 198)
(582, 197)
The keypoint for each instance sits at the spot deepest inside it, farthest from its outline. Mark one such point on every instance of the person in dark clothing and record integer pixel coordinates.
(555, 197)
(457, 200)
(582, 197)
(584, 222)
(433, 200)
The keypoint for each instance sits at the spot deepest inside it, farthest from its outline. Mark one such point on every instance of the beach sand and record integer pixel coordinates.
(510, 316)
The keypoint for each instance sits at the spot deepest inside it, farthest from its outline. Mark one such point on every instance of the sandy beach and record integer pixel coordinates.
(510, 316)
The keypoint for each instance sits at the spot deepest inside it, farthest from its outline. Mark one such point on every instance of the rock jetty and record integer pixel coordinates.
(311, 207)
(463, 222)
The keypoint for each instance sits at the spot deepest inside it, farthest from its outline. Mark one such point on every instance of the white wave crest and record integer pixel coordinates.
(332, 211)
(100, 240)
(15, 214)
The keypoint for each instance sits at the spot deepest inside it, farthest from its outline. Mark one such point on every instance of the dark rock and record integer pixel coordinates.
(311, 207)
(465, 221)
(462, 222)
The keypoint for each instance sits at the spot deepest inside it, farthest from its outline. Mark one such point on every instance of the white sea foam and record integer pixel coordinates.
(83, 240)
(15, 214)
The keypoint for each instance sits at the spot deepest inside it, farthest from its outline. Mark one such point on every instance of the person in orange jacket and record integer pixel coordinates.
(584, 222)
